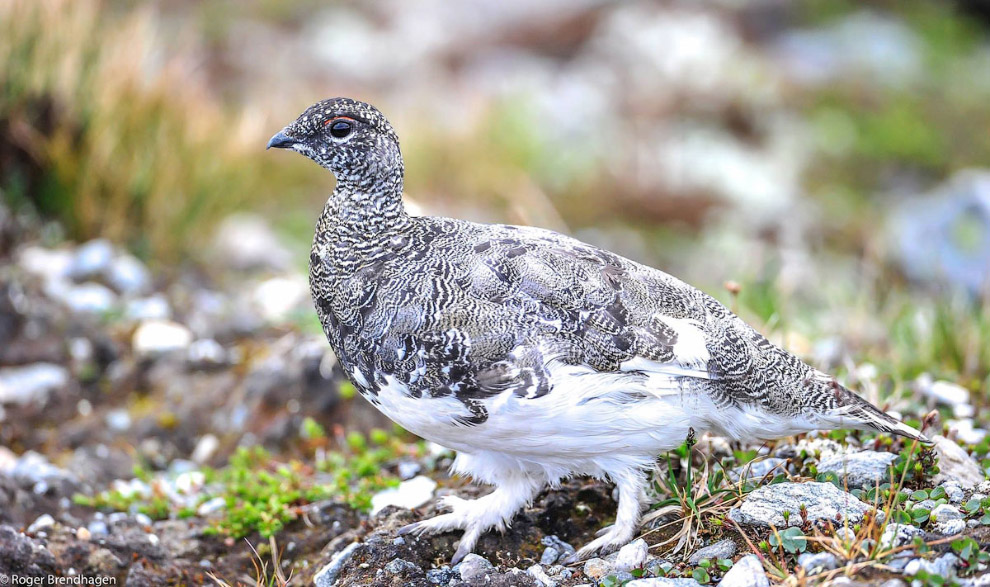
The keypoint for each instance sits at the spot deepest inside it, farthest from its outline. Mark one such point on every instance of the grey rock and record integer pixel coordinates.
(205, 353)
(401, 567)
(597, 568)
(474, 568)
(440, 576)
(895, 535)
(951, 527)
(747, 572)
(656, 566)
(947, 564)
(946, 512)
(550, 556)
(409, 469)
(631, 556)
(31, 384)
(824, 502)
(98, 528)
(85, 298)
(817, 562)
(917, 565)
(758, 469)
(153, 307)
(91, 259)
(663, 582)
(861, 470)
(540, 575)
(893, 583)
(721, 549)
(328, 574)
(955, 464)
(564, 548)
(953, 492)
(128, 275)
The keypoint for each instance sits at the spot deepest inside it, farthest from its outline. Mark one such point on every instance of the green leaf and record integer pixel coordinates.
(701, 576)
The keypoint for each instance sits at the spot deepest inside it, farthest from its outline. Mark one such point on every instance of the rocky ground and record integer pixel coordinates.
(125, 394)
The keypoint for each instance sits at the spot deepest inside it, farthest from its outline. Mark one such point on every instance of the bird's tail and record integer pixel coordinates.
(853, 411)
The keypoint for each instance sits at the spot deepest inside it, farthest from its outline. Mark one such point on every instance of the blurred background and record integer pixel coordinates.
(823, 167)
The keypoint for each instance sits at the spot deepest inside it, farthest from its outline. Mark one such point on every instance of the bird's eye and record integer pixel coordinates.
(340, 129)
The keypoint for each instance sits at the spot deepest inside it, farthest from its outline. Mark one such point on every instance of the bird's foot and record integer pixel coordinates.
(609, 540)
(458, 519)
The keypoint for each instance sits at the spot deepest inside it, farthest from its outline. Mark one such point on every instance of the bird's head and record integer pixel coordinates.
(350, 138)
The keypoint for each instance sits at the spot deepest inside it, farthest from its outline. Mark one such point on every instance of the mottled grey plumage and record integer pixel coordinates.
(473, 335)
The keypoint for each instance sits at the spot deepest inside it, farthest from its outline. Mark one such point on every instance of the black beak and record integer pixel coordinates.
(281, 141)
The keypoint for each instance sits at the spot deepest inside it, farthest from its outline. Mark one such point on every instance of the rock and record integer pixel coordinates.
(917, 565)
(401, 567)
(275, 299)
(540, 575)
(955, 464)
(159, 337)
(747, 572)
(950, 527)
(474, 568)
(92, 259)
(409, 494)
(153, 307)
(31, 384)
(556, 550)
(43, 522)
(861, 470)
(944, 392)
(85, 298)
(966, 431)
(206, 447)
(246, 242)
(440, 576)
(946, 512)
(816, 563)
(953, 492)
(409, 469)
(328, 574)
(662, 582)
(824, 502)
(597, 568)
(128, 275)
(28, 556)
(721, 549)
(48, 264)
(758, 469)
(206, 353)
(895, 535)
(83, 534)
(631, 556)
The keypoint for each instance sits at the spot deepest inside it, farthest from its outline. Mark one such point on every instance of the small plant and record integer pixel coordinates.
(792, 540)
(969, 552)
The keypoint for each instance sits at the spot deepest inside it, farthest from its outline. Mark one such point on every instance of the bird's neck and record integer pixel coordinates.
(366, 206)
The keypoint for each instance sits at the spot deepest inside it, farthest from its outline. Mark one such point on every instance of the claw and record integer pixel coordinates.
(459, 554)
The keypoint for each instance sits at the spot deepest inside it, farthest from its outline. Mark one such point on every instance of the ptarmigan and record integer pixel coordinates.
(533, 355)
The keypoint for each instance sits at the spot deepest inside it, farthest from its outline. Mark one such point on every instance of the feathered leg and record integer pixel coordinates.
(476, 516)
(632, 498)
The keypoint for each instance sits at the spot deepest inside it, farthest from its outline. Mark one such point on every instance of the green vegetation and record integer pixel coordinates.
(262, 494)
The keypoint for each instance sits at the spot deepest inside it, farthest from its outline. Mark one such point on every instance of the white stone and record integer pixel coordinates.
(91, 258)
(128, 275)
(816, 563)
(44, 521)
(966, 432)
(31, 383)
(474, 569)
(747, 572)
(156, 337)
(276, 298)
(955, 464)
(205, 448)
(631, 556)
(861, 470)
(210, 506)
(895, 535)
(85, 298)
(409, 494)
(951, 527)
(49, 264)
(153, 307)
(540, 575)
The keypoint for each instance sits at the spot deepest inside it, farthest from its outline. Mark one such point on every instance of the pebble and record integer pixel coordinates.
(440, 576)
(44, 521)
(400, 566)
(631, 556)
(818, 562)
(759, 469)
(158, 337)
(953, 492)
(128, 275)
(85, 298)
(48, 264)
(409, 494)
(540, 575)
(597, 568)
(721, 549)
(98, 528)
(206, 447)
(946, 512)
(550, 556)
(474, 568)
(409, 469)
(951, 527)
(562, 548)
(861, 470)
(31, 384)
(210, 506)
(746, 572)
(276, 298)
(895, 535)
(91, 259)
(153, 307)
(328, 574)
(206, 352)
(824, 502)
(662, 582)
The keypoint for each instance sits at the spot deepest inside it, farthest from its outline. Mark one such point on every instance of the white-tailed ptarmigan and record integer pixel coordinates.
(533, 355)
